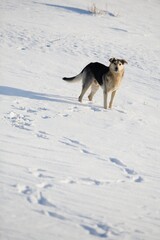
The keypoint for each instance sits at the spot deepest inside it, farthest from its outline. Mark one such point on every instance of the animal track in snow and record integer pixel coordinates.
(67, 112)
(31, 110)
(19, 120)
(45, 117)
(130, 173)
(56, 215)
(44, 185)
(35, 194)
(38, 198)
(71, 142)
(43, 109)
(51, 214)
(40, 173)
(89, 181)
(139, 179)
(22, 117)
(100, 230)
(24, 189)
(83, 181)
(97, 232)
(117, 162)
(96, 109)
(43, 176)
(63, 114)
(77, 145)
(42, 134)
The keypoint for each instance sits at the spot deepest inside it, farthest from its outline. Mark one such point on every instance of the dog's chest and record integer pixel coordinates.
(113, 84)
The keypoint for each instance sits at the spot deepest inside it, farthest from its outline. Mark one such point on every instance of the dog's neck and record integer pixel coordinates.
(116, 75)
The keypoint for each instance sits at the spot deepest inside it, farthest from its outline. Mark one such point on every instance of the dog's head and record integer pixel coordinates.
(116, 65)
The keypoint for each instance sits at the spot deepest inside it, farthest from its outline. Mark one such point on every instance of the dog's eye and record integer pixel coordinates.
(114, 63)
(120, 64)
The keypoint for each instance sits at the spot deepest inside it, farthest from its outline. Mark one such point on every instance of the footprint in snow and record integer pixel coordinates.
(76, 144)
(63, 114)
(87, 152)
(139, 179)
(100, 230)
(42, 134)
(73, 109)
(27, 190)
(94, 231)
(130, 173)
(45, 117)
(32, 194)
(85, 181)
(68, 112)
(44, 185)
(21, 108)
(121, 111)
(38, 198)
(19, 120)
(31, 110)
(96, 109)
(40, 173)
(117, 162)
(24, 189)
(51, 214)
(90, 181)
(43, 109)
(71, 142)
(56, 215)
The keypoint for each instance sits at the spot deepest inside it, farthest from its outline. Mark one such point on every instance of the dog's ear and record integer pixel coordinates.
(112, 60)
(123, 61)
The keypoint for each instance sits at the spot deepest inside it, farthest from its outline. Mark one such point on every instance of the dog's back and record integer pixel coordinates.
(94, 69)
(97, 70)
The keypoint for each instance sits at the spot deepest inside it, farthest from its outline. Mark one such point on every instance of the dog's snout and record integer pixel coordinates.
(116, 69)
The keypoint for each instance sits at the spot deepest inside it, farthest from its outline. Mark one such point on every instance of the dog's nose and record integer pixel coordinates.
(116, 69)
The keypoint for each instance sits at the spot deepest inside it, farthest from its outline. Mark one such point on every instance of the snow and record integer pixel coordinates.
(70, 170)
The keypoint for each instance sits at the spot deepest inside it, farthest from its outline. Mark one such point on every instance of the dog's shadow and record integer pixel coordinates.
(10, 91)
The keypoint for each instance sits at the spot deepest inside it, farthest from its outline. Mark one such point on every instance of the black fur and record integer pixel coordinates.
(97, 70)
(69, 79)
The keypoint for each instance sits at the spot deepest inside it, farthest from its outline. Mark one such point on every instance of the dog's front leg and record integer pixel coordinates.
(112, 97)
(105, 94)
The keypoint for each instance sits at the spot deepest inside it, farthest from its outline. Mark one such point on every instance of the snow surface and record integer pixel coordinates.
(70, 170)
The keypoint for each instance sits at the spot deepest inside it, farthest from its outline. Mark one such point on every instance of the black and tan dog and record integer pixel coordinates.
(97, 74)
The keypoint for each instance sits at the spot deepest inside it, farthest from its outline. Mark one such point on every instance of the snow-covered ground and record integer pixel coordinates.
(70, 170)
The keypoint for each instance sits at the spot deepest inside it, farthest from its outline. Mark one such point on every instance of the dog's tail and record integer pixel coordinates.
(74, 79)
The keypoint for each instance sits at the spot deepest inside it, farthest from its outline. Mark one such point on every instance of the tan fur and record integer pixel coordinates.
(94, 88)
(112, 82)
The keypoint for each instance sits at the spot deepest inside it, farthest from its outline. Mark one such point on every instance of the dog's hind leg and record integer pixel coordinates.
(94, 88)
(112, 97)
(87, 79)
(85, 87)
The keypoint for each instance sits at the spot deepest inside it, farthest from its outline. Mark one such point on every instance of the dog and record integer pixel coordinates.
(96, 74)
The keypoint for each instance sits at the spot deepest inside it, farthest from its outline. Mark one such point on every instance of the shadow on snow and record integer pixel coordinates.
(71, 9)
(10, 91)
